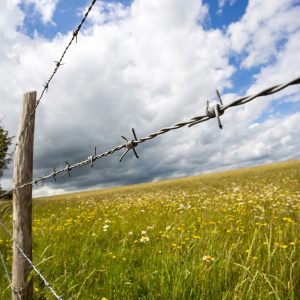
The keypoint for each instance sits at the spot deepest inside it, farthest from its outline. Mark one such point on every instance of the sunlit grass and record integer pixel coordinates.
(233, 235)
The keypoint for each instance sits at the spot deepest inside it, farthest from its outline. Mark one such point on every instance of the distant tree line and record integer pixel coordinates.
(5, 142)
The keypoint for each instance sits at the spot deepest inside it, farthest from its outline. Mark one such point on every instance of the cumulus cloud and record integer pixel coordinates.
(104, 12)
(45, 8)
(285, 63)
(147, 65)
(262, 30)
(10, 18)
(275, 53)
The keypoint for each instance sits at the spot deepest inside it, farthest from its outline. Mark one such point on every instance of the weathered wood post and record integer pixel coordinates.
(22, 286)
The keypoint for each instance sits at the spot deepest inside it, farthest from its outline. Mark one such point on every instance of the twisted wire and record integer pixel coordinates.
(269, 91)
(210, 113)
(5, 269)
(57, 66)
(46, 283)
(7, 275)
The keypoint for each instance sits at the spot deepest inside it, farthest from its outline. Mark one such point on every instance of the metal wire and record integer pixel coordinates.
(211, 112)
(46, 283)
(57, 66)
(5, 194)
(7, 275)
(269, 91)
(5, 269)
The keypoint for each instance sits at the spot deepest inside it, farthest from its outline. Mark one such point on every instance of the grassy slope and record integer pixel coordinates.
(148, 241)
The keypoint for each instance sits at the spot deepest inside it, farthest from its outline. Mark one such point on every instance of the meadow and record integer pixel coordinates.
(232, 235)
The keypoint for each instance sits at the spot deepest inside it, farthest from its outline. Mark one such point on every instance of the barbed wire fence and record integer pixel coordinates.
(5, 267)
(6, 271)
(58, 64)
(212, 111)
(43, 279)
(8, 275)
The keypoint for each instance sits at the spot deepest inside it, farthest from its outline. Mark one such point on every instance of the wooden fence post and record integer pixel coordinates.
(22, 286)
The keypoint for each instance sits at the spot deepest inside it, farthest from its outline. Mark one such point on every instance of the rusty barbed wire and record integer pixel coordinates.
(46, 283)
(58, 64)
(211, 112)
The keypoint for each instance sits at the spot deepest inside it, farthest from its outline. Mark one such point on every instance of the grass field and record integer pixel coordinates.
(233, 235)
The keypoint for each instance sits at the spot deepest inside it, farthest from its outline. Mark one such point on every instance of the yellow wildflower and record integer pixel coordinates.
(144, 239)
(207, 258)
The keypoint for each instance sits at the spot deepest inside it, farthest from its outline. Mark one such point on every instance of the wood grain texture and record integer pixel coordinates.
(22, 202)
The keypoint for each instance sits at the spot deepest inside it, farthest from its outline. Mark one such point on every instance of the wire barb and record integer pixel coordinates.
(68, 169)
(92, 158)
(219, 97)
(46, 87)
(18, 291)
(214, 111)
(58, 64)
(54, 174)
(131, 144)
(75, 33)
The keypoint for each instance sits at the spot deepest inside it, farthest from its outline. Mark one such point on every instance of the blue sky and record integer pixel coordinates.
(66, 16)
(69, 13)
(148, 64)
(230, 13)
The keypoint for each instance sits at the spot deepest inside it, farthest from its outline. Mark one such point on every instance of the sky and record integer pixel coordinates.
(147, 65)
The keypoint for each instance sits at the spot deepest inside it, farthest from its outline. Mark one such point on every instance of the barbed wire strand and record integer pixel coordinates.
(5, 269)
(211, 112)
(46, 283)
(57, 66)
(269, 91)
(7, 275)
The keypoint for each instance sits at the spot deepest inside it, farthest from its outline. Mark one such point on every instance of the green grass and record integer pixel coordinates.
(148, 241)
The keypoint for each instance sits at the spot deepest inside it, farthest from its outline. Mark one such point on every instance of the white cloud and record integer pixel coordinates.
(279, 22)
(284, 67)
(10, 17)
(104, 12)
(263, 29)
(144, 66)
(45, 8)
(222, 3)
